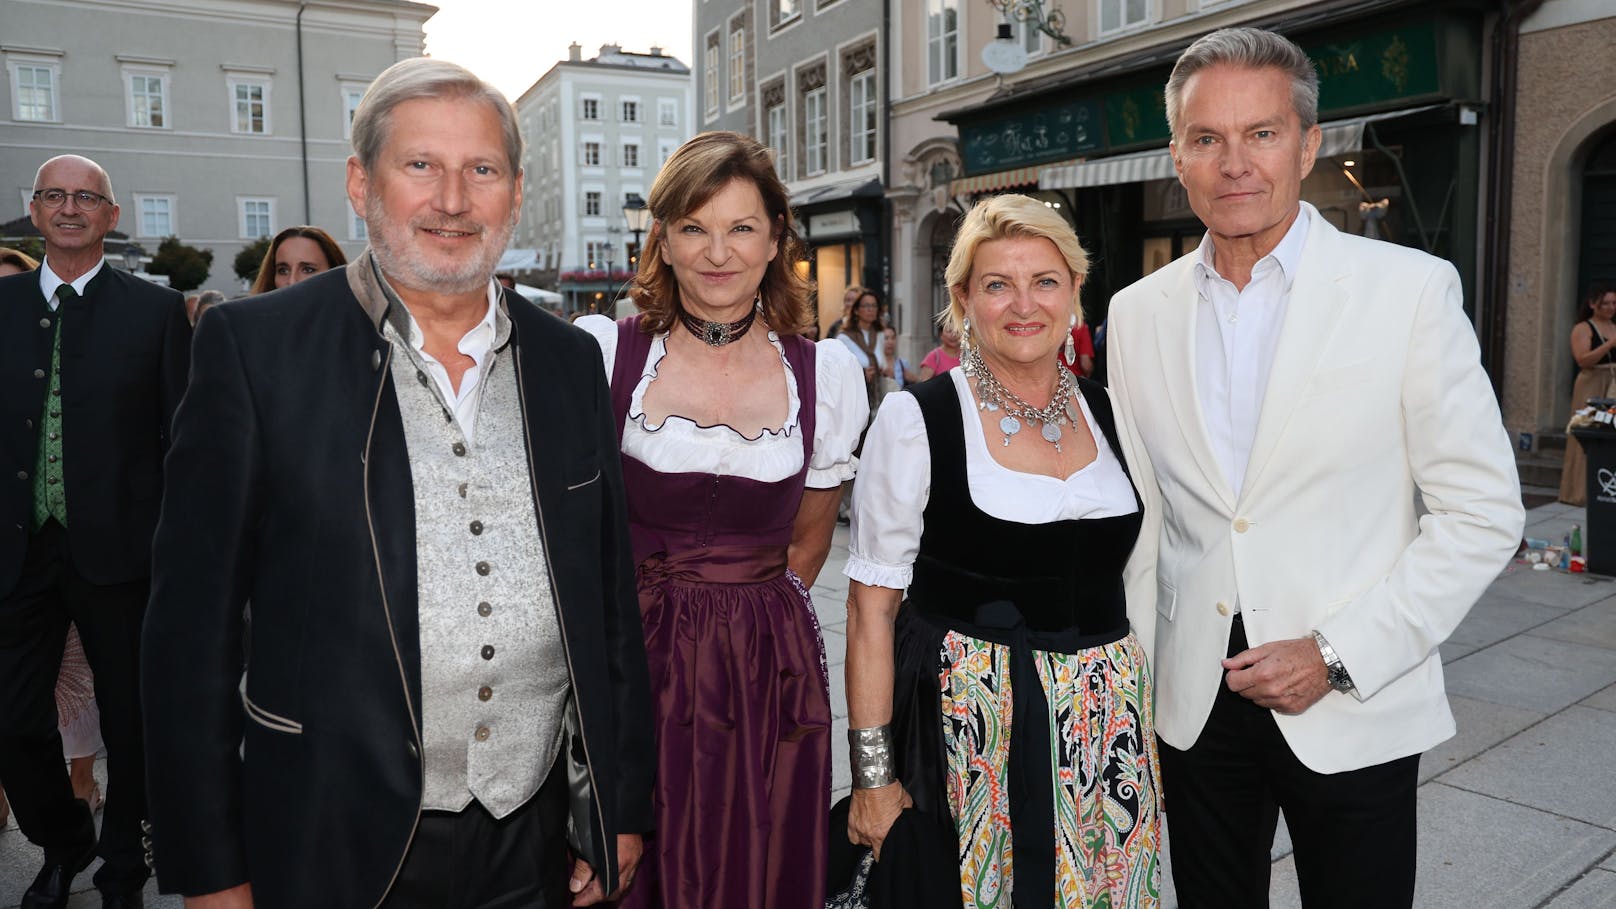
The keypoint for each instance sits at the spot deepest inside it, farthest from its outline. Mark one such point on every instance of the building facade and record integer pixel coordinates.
(808, 79)
(598, 131)
(1082, 126)
(219, 121)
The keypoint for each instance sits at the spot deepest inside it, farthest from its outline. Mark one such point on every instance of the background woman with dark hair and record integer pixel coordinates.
(296, 253)
(1593, 347)
(862, 335)
(736, 433)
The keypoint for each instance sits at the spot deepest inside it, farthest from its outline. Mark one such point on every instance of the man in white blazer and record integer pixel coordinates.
(1291, 390)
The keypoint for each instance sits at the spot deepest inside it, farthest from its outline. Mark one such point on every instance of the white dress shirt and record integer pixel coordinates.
(477, 344)
(1236, 335)
(48, 282)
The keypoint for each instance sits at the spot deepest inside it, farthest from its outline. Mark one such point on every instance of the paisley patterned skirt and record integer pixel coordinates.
(1106, 775)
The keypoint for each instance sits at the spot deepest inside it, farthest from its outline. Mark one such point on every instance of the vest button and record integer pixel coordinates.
(22, 474)
(484, 693)
(51, 480)
(483, 568)
(482, 733)
(485, 609)
(421, 377)
(488, 651)
(459, 449)
(476, 527)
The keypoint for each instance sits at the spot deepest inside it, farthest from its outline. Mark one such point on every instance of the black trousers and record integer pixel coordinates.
(1353, 832)
(470, 860)
(34, 617)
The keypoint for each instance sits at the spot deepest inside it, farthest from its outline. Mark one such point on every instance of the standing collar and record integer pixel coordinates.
(383, 304)
(48, 281)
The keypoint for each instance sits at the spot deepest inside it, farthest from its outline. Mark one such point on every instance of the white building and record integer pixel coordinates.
(597, 133)
(219, 121)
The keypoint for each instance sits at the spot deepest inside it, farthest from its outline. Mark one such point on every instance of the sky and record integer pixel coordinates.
(511, 43)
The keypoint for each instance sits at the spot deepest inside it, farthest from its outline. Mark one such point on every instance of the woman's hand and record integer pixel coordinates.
(869, 374)
(872, 813)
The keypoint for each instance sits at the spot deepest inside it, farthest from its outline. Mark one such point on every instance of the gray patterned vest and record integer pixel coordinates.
(494, 679)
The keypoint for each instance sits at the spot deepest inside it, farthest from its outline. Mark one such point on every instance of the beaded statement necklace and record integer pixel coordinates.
(994, 397)
(717, 334)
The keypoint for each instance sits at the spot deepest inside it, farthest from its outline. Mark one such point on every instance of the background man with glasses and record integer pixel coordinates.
(92, 365)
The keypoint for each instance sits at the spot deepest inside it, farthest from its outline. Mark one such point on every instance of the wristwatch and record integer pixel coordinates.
(1337, 673)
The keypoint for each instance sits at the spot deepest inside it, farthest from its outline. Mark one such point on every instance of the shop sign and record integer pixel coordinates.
(836, 222)
(1374, 69)
(1049, 134)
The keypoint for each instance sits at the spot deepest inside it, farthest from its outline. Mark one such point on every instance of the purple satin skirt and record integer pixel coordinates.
(743, 734)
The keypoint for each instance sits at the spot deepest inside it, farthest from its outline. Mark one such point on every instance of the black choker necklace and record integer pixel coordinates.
(717, 334)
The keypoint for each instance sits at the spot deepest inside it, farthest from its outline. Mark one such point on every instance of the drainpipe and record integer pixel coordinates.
(303, 116)
(886, 153)
(1505, 74)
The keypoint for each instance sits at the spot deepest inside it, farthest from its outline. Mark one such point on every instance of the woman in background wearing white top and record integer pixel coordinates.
(736, 434)
(1008, 693)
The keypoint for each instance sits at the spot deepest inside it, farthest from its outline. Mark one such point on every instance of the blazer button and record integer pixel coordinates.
(39, 373)
(1223, 609)
(44, 323)
(1241, 525)
(22, 474)
(415, 753)
(29, 422)
(375, 360)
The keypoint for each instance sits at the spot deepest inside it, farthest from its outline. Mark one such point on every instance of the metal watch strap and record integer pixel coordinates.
(1337, 672)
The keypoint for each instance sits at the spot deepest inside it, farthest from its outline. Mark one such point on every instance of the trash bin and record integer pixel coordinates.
(1599, 532)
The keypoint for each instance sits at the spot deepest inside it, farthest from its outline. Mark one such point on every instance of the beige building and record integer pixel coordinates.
(1562, 219)
(220, 121)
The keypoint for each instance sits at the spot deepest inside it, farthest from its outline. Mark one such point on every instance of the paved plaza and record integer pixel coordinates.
(1518, 811)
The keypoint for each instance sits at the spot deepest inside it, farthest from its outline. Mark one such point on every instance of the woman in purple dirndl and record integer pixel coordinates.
(736, 434)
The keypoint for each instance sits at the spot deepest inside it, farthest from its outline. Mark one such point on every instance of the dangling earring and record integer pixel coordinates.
(1071, 345)
(965, 341)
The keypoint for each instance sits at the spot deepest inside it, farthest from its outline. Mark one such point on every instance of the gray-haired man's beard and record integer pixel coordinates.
(390, 242)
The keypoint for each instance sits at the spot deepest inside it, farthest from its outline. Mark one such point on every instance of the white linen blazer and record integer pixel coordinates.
(1376, 396)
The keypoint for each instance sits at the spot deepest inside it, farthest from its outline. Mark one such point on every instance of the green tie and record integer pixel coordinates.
(50, 493)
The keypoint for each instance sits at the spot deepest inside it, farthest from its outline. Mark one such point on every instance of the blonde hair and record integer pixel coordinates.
(1000, 218)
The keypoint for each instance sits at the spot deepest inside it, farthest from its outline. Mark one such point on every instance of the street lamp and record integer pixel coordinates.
(638, 219)
(131, 257)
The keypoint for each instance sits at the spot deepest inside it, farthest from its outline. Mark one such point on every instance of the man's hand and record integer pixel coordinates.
(1288, 676)
(872, 813)
(237, 897)
(585, 885)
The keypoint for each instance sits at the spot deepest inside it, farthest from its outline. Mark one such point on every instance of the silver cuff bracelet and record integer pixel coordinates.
(871, 757)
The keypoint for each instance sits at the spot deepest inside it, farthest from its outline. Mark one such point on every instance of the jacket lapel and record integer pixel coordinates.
(1318, 299)
(1175, 336)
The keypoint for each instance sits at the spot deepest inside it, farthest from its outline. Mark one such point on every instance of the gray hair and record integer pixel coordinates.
(1254, 48)
(424, 77)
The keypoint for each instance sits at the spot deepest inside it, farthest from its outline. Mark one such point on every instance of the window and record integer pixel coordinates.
(786, 10)
(942, 40)
(737, 64)
(861, 124)
(710, 77)
(595, 254)
(591, 154)
(665, 151)
(357, 228)
(257, 217)
(591, 110)
(156, 214)
(351, 96)
(631, 154)
(592, 204)
(35, 90)
(1116, 15)
(779, 139)
(631, 111)
(813, 161)
(667, 112)
(148, 99)
(249, 112)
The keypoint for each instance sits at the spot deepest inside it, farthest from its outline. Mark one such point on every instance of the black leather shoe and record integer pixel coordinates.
(51, 886)
(134, 899)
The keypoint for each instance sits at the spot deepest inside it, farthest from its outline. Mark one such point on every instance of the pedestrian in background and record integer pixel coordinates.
(733, 477)
(294, 254)
(408, 471)
(1593, 349)
(93, 362)
(1294, 387)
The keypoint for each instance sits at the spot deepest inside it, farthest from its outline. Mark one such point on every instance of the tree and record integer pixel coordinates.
(250, 257)
(33, 247)
(186, 266)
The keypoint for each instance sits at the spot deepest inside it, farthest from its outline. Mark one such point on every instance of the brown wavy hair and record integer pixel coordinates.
(692, 176)
(265, 281)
